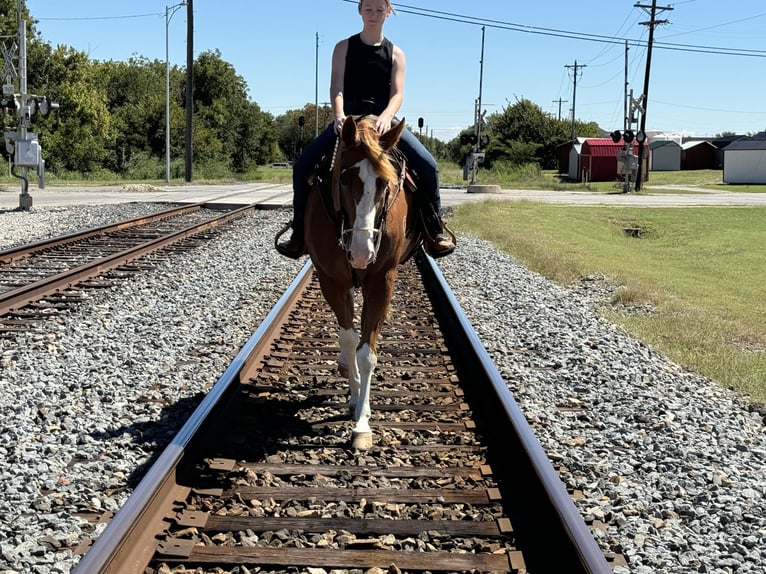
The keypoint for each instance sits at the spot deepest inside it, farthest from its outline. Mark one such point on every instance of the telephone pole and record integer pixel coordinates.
(188, 152)
(652, 23)
(560, 101)
(576, 69)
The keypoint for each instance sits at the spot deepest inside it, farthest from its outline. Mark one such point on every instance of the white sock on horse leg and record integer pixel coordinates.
(348, 339)
(367, 361)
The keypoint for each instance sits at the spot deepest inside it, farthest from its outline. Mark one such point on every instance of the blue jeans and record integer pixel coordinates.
(419, 159)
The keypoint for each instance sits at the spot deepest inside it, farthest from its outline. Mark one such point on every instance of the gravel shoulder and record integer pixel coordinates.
(673, 465)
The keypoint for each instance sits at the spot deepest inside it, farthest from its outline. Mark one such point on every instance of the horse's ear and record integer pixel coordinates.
(391, 137)
(348, 133)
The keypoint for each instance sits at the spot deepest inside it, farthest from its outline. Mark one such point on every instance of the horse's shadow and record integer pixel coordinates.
(256, 428)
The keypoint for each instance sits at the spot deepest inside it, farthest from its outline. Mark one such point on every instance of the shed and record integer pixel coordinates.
(720, 145)
(567, 152)
(698, 154)
(598, 159)
(666, 155)
(744, 161)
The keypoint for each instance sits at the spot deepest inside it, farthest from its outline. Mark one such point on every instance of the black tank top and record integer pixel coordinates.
(367, 76)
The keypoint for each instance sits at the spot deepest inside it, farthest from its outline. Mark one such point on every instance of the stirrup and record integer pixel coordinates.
(281, 232)
(430, 243)
(285, 247)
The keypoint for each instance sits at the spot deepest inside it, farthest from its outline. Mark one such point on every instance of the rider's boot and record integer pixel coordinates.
(438, 242)
(295, 246)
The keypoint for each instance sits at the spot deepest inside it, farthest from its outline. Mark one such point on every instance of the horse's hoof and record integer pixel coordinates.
(361, 440)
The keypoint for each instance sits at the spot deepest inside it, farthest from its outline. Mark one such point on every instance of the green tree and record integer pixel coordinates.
(228, 127)
(292, 138)
(256, 138)
(524, 133)
(79, 135)
(135, 97)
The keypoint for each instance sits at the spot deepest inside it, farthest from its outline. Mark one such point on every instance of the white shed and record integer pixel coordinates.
(574, 159)
(666, 155)
(744, 161)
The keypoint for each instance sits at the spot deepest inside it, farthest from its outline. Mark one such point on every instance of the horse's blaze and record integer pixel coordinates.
(362, 246)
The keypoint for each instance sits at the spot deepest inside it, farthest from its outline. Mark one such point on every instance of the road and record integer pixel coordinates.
(280, 195)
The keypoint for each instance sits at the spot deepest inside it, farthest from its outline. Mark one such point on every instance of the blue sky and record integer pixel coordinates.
(527, 48)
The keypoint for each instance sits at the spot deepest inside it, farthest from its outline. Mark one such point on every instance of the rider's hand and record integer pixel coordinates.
(383, 123)
(339, 123)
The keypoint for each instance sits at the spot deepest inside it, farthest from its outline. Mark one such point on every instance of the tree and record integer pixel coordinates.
(524, 133)
(77, 137)
(135, 97)
(292, 138)
(256, 137)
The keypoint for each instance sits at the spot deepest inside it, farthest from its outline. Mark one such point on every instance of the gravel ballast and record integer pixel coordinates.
(673, 465)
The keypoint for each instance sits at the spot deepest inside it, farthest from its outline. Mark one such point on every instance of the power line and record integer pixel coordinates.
(84, 18)
(559, 33)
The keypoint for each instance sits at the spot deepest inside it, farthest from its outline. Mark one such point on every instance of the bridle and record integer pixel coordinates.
(344, 232)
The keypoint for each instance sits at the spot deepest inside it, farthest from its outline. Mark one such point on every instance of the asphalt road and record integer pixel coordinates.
(280, 195)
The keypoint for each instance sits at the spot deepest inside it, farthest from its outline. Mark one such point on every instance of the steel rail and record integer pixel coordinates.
(561, 505)
(21, 296)
(22, 251)
(109, 554)
(128, 543)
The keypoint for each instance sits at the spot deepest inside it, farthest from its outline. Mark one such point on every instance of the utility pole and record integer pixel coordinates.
(652, 23)
(478, 115)
(316, 86)
(560, 101)
(576, 70)
(627, 147)
(188, 153)
(626, 108)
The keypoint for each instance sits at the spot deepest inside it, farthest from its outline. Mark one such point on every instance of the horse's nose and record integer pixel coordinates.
(359, 260)
(361, 254)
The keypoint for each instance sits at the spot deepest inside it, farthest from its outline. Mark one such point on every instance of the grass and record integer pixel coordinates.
(701, 269)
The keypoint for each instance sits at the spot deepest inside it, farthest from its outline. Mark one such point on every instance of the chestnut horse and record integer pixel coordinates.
(372, 230)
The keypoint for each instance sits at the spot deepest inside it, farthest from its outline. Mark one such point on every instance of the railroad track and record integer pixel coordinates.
(37, 279)
(262, 475)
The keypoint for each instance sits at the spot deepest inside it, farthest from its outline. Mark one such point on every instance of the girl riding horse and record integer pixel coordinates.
(368, 78)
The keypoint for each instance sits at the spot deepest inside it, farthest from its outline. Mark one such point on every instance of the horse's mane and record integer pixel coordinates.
(382, 163)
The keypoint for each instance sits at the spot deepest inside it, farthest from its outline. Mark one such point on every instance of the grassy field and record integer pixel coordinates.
(701, 270)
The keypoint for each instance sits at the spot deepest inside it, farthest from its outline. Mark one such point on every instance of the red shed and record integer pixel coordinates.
(598, 160)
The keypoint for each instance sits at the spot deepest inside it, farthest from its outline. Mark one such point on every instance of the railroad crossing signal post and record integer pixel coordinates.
(22, 145)
(627, 161)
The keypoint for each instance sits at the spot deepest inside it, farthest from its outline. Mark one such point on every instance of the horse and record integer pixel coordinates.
(356, 237)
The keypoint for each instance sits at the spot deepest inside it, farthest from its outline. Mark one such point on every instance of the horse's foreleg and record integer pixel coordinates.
(367, 360)
(377, 297)
(348, 340)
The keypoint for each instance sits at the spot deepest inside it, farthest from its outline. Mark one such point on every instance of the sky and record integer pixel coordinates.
(707, 74)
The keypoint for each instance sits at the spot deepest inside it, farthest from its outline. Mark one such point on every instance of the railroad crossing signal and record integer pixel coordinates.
(628, 136)
(21, 144)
